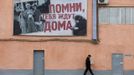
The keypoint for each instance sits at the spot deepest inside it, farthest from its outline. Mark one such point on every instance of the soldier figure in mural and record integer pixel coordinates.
(28, 16)
(17, 29)
(37, 18)
(88, 65)
(17, 11)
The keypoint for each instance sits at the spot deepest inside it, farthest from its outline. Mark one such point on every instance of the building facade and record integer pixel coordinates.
(112, 55)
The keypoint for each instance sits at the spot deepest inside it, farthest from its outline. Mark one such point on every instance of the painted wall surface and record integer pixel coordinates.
(16, 52)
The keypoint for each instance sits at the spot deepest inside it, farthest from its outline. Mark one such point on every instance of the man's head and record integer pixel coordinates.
(89, 56)
(28, 5)
(34, 6)
(78, 18)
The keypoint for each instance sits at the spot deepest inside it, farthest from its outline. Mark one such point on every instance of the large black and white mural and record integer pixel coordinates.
(50, 17)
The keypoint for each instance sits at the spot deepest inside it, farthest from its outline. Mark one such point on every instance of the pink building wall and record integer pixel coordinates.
(16, 52)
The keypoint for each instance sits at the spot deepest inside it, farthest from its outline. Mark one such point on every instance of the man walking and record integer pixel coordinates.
(88, 65)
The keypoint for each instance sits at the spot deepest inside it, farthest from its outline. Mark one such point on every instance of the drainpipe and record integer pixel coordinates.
(95, 22)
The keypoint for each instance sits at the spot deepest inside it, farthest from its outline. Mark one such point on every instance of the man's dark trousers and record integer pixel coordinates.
(90, 70)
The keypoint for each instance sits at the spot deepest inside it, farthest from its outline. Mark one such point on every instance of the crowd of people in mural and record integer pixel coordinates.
(27, 17)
